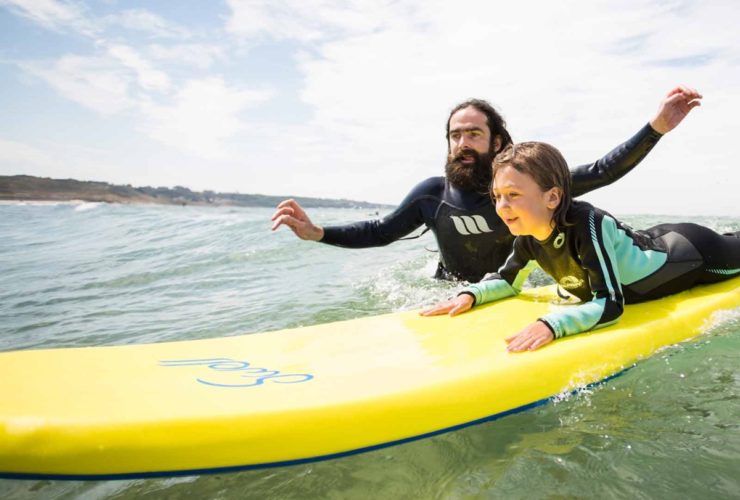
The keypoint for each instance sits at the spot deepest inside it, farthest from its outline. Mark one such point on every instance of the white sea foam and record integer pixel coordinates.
(82, 206)
(34, 203)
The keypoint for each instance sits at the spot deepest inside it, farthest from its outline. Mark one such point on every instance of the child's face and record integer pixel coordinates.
(523, 206)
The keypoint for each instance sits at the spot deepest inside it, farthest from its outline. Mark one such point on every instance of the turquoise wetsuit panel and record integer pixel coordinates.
(498, 288)
(577, 319)
(633, 262)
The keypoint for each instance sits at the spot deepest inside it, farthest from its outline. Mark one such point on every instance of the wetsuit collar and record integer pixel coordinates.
(549, 239)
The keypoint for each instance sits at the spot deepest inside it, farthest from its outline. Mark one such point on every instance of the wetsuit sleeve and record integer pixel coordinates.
(379, 232)
(507, 281)
(618, 162)
(596, 248)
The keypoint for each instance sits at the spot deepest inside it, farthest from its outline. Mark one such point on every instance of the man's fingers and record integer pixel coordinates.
(682, 92)
(673, 91)
(675, 98)
(293, 205)
(693, 93)
(690, 91)
(287, 220)
(282, 211)
(287, 203)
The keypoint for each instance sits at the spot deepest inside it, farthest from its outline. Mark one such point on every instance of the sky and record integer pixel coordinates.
(349, 99)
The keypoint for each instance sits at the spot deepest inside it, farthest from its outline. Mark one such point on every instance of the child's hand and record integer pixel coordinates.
(455, 306)
(532, 337)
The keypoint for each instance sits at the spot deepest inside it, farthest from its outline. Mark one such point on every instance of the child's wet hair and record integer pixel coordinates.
(543, 163)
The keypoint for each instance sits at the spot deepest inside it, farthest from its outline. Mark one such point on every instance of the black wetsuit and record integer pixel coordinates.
(606, 264)
(471, 237)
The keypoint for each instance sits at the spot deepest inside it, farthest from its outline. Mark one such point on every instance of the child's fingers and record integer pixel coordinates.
(436, 310)
(459, 308)
(518, 342)
(539, 342)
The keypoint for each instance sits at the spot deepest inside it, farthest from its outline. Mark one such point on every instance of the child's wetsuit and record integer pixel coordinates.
(607, 264)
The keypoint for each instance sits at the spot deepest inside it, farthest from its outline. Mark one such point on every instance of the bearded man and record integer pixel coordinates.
(472, 238)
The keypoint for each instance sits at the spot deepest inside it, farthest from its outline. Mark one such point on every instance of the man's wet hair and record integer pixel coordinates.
(496, 122)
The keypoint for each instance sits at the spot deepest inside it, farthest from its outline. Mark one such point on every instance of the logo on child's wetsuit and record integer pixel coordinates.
(470, 224)
(570, 282)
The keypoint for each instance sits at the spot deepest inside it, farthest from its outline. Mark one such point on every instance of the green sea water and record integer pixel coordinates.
(97, 274)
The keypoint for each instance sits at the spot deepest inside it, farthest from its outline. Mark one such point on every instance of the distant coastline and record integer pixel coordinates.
(30, 188)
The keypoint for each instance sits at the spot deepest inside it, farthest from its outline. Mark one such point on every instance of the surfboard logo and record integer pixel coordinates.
(226, 370)
(470, 224)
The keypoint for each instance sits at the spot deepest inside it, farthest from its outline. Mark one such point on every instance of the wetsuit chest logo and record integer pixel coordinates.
(570, 282)
(470, 224)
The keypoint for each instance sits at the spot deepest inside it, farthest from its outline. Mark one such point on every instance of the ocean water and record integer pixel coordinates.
(96, 274)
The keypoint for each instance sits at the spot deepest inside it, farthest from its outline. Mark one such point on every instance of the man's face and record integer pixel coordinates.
(469, 161)
(469, 130)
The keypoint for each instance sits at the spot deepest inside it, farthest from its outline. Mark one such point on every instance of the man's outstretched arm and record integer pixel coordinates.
(371, 233)
(618, 162)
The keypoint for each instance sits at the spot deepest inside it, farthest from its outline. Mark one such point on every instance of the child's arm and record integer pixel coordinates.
(495, 286)
(597, 252)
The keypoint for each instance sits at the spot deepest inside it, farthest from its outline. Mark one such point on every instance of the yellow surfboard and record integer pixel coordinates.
(308, 393)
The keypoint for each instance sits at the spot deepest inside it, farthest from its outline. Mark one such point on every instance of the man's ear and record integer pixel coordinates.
(554, 196)
(497, 144)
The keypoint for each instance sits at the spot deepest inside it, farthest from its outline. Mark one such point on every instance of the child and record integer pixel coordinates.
(587, 251)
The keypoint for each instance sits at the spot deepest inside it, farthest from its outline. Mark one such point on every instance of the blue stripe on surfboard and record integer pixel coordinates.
(285, 463)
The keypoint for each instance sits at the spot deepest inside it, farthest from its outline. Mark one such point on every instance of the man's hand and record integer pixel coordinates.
(532, 337)
(458, 305)
(290, 213)
(674, 108)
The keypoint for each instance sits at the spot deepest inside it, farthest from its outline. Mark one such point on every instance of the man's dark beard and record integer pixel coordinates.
(472, 177)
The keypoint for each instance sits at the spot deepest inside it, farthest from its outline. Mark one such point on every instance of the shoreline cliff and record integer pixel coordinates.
(30, 188)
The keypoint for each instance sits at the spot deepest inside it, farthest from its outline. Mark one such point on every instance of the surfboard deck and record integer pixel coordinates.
(309, 393)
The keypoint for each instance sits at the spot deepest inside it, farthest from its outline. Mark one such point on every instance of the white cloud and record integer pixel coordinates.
(55, 15)
(69, 15)
(308, 20)
(96, 83)
(198, 55)
(147, 22)
(110, 82)
(205, 115)
(148, 77)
